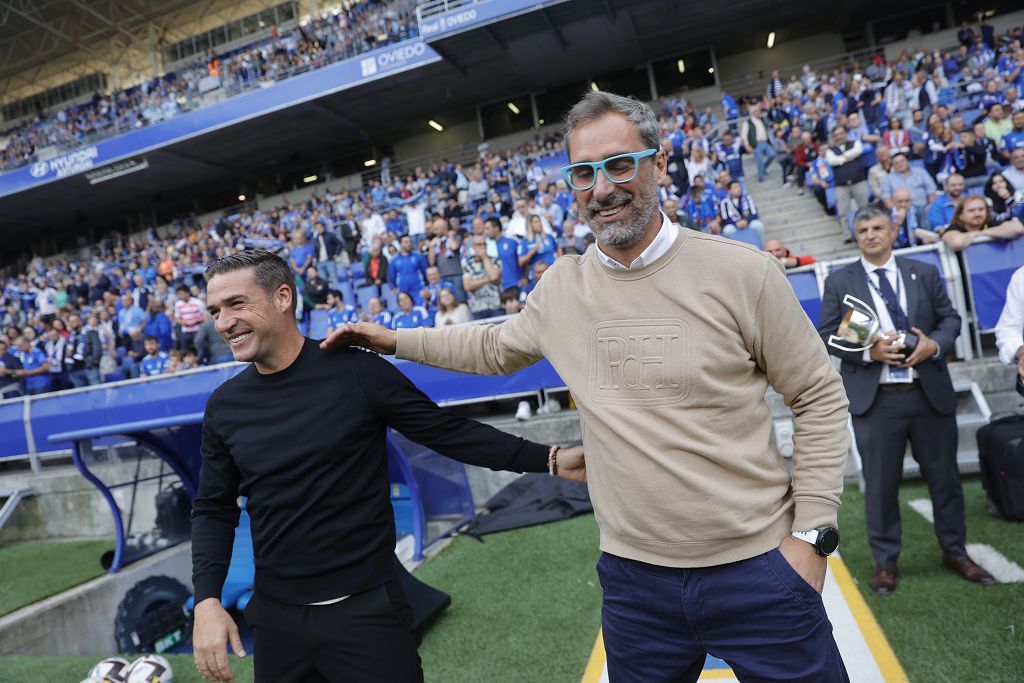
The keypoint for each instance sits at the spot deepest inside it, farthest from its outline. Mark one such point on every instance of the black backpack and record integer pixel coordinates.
(1001, 455)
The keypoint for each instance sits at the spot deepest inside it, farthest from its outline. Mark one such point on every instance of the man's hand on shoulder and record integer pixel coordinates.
(368, 335)
(213, 628)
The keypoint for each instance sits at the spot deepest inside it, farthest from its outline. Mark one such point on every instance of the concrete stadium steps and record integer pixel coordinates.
(797, 220)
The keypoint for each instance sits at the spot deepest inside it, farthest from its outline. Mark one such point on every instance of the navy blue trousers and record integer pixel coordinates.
(758, 615)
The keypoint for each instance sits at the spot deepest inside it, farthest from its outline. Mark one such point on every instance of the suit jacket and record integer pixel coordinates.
(929, 309)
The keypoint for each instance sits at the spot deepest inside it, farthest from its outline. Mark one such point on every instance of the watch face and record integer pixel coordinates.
(828, 540)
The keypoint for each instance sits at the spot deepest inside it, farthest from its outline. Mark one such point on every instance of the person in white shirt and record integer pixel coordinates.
(1010, 327)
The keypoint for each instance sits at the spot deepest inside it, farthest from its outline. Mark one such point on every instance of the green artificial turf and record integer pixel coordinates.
(30, 572)
(526, 606)
(941, 627)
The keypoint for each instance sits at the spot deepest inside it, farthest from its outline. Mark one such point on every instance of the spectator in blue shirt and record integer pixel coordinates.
(10, 366)
(738, 212)
(339, 312)
(301, 256)
(699, 208)
(917, 180)
(376, 313)
(729, 153)
(430, 295)
(940, 211)
(407, 270)
(155, 361)
(409, 315)
(730, 110)
(158, 325)
(1015, 138)
(508, 255)
(35, 372)
(536, 246)
(130, 317)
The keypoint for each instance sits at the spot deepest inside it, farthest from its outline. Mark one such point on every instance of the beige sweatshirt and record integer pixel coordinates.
(669, 364)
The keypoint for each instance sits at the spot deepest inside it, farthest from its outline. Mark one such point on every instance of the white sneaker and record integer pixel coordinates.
(523, 412)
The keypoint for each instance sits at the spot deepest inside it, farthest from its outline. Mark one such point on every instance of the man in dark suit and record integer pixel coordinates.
(894, 396)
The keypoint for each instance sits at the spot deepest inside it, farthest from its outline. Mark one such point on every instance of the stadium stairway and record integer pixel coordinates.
(797, 220)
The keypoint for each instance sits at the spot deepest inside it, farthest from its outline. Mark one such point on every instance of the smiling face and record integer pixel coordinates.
(249, 320)
(618, 214)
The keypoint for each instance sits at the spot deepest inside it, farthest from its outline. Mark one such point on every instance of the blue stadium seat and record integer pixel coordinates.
(303, 328)
(356, 272)
(805, 286)
(747, 237)
(114, 377)
(347, 292)
(364, 294)
(317, 324)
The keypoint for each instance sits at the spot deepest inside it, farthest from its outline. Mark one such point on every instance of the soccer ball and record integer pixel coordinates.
(149, 669)
(110, 670)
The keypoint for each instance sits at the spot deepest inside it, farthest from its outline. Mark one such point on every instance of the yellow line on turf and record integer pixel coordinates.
(885, 658)
(711, 674)
(595, 665)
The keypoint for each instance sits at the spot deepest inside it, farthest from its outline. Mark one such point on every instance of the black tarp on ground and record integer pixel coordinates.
(530, 500)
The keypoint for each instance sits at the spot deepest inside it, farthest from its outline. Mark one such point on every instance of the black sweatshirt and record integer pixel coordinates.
(306, 445)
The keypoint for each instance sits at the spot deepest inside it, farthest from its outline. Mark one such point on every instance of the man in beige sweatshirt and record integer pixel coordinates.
(668, 339)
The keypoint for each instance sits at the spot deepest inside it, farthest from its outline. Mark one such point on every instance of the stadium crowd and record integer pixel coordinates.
(451, 242)
(355, 28)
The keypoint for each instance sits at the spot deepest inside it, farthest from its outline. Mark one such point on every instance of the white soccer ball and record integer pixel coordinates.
(110, 670)
(149, 669)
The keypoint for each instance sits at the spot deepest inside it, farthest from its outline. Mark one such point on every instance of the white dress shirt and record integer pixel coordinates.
(1010, 328)
(892, 273)
(665, 238)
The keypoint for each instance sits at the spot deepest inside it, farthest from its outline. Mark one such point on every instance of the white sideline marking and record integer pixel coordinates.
(994, 562)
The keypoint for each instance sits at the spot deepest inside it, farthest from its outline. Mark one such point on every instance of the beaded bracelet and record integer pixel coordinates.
(553, 460)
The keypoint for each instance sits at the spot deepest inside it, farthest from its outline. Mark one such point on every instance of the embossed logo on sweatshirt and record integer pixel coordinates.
(640, 362)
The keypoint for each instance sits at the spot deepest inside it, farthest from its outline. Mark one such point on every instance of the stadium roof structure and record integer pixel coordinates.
(548, 46)
(38, 35)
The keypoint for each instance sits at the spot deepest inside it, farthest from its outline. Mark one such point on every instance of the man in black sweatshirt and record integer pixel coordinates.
(301, 432)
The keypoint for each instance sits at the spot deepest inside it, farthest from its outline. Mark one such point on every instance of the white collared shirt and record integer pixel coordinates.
(892, 274)
(665, 238)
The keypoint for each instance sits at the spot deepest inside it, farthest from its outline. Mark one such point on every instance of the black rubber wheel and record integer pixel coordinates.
(151, 610)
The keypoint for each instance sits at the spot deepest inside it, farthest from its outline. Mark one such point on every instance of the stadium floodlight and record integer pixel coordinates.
(435, 125)
(540, 122)
(513, 107)
(593, 86)
(370, 162)
(241, 197)
(682, 66)
(309, 179)
(771, 40)
(711, 70)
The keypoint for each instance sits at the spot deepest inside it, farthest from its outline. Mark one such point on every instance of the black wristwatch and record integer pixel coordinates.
(825, 540)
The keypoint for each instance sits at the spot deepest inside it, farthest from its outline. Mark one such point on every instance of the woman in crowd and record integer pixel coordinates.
(1006, 203)
(973, 219)
(699, 165)
(409, 315)
(450, 311)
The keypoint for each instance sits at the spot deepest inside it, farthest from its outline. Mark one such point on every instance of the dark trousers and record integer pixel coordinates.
(366, 637)
(758, 615)
(882, 434)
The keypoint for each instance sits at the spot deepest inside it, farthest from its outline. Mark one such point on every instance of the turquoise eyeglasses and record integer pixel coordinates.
(619, 169)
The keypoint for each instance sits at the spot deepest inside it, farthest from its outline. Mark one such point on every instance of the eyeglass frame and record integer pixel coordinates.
(600, 166)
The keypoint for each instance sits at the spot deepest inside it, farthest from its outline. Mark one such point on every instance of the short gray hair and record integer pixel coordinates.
(594, 105)
(872, 210)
